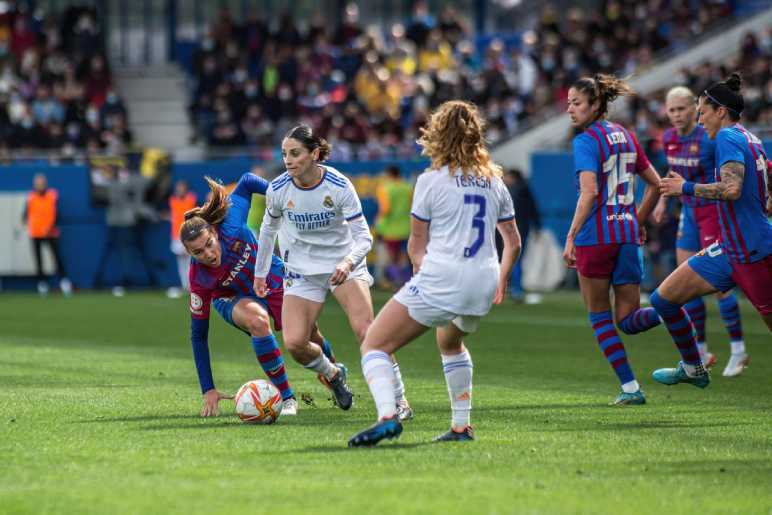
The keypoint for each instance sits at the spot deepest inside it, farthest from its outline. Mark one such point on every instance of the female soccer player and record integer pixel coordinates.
(743, 256)
(457, 206)
(222, 272)
(603, 242)
(691, 154)
(324, 239)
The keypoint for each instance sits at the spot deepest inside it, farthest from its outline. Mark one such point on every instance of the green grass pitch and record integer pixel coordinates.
(99, 404)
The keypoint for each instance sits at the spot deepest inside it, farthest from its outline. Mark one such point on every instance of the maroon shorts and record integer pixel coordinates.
(755, 280)
(706, 218)
(620, 262)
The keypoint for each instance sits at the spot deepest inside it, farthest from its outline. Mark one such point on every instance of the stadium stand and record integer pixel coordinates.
(56, 89)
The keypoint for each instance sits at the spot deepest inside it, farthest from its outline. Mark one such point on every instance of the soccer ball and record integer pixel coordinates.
(258, 402)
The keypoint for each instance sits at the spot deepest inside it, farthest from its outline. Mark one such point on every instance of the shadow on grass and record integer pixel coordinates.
(322, 449)
(633, 426)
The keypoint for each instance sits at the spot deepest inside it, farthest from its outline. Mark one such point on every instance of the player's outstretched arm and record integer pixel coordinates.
(588, 190)
(512, 245)
(199, 329)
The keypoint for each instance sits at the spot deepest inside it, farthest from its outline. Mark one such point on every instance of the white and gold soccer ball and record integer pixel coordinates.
(258, 402)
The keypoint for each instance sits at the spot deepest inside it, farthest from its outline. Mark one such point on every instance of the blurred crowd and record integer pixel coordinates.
(56, 89)
(368, 90)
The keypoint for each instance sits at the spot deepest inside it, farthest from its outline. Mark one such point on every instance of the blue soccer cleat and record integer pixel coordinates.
(457, 436)
(341, 394)
(671, 376)
(629, 399)
(387, 428)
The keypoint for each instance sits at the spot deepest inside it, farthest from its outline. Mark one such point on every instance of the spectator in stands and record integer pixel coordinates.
(40, 215)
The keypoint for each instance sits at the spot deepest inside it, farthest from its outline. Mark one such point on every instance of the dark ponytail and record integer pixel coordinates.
(727, 94)
(604, 89)
(202, 217)
(311, 141)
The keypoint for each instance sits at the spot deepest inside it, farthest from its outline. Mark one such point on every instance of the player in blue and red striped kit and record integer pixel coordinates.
(691, 154)
(223, 251)
(604, 240)
(743, 257)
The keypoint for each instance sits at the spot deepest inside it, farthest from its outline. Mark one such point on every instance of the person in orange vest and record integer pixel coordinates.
(182, 200)
(40, 217)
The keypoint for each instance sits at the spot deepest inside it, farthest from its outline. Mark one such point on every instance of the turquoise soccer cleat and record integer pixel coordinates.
(629, 399)
(671, 376)
(387, 428)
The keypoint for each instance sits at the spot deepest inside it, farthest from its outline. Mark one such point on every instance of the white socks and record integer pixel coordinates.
(322, 365)
(378, 371)
(631, 387)
(458, 376)
(738, 347)
(399, 386)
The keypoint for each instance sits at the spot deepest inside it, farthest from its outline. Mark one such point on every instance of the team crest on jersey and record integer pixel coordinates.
(236, 246)
(328, 202)
(196, 303)
(290, 204)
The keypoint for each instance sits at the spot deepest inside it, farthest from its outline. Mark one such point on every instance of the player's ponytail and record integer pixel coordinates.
(727, 94)
(603, 89)
(455, 137)
(211, 213)
(310, 140)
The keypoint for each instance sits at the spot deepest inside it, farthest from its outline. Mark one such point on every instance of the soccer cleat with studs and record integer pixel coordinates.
(465, 435)
(341, 394)
(289, 407)
(404, 411)
(629, 399)
(386, 428)
(736, 365)
(671, 376)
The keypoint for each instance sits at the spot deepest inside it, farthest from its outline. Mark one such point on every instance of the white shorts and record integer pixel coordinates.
(433, 316)
(315, 287)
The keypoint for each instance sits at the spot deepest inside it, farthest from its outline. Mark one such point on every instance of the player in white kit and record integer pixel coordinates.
(323, 239)
(457, 206)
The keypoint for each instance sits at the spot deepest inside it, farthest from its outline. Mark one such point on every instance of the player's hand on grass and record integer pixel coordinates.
(672, 185)
(261, 288)
(341, 272)
(569, 253)
(212, 398)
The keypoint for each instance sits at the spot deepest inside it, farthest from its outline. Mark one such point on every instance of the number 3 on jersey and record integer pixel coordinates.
(478, 222)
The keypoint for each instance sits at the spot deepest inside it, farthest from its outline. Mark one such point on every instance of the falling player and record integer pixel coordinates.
(223, 253)
(457, 205)
(743, 256)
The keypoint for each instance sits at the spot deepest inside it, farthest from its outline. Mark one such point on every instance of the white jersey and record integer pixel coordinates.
(314, 235)
(461, 268)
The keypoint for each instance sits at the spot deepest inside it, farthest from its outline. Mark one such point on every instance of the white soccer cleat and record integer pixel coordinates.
(289, 407)
(736, 365)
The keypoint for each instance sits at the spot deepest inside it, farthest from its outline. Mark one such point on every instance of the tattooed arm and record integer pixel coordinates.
(728, 188)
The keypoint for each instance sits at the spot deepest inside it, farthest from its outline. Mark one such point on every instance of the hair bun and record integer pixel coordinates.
(734, 82)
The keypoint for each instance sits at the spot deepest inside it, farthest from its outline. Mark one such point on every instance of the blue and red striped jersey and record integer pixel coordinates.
(746, 232)
(693, 157)
(236, 274)
(613, 154)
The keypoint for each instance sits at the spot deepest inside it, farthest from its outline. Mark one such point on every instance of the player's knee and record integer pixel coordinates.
(259, 324)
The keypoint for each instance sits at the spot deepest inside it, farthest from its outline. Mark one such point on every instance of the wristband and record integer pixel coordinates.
(688, 188)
